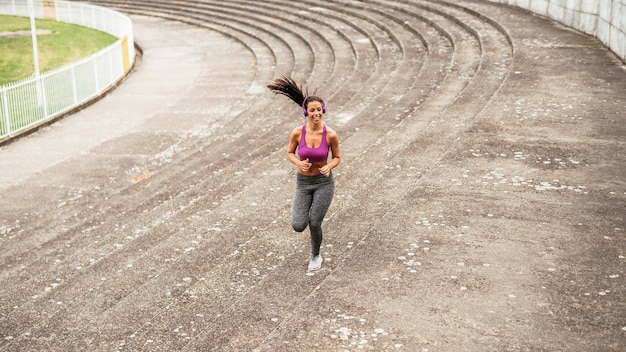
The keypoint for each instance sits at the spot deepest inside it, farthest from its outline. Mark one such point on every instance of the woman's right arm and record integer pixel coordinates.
(302, 165)
(291, 148)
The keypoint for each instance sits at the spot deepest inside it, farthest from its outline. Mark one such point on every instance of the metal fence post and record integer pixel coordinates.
(7, 120)
(74, 88)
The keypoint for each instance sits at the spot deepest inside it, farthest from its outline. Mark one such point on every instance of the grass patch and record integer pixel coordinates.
(64, 44)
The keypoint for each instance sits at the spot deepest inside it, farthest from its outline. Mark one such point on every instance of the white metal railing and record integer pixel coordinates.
(603, 19)
(32, 101)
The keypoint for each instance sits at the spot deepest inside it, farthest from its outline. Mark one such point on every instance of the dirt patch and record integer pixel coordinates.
(23, 33)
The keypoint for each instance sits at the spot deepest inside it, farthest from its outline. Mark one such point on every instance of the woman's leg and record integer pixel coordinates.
(322, 198)
(300, 206)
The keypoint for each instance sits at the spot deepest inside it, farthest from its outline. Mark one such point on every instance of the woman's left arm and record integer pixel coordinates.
(333, 141)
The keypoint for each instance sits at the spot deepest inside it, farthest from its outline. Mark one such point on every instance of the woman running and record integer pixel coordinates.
(308, 150)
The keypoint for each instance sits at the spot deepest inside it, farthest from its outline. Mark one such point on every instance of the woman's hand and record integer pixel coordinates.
(325, 170)
(305, 165)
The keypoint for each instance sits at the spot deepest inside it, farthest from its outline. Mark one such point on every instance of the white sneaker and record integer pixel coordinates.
(315, 262)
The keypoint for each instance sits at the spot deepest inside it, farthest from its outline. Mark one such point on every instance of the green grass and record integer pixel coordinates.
(65, 44)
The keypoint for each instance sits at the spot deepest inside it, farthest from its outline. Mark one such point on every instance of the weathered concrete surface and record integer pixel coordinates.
(490, 217)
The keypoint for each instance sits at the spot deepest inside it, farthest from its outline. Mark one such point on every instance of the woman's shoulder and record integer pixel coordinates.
(297, 131)
(330, 131)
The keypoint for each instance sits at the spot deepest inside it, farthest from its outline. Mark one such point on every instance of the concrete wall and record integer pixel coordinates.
(604, 19)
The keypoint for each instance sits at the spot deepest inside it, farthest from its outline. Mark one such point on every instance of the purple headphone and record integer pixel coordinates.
(306, 113)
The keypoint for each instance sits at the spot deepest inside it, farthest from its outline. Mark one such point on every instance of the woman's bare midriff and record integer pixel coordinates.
(314, 170)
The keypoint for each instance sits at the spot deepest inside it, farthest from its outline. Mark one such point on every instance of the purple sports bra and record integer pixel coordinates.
(313, 154)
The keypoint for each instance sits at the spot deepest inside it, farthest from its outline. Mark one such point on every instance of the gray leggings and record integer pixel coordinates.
(310, 202)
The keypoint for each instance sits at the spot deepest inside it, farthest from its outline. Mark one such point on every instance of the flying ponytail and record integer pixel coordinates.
(288, 87)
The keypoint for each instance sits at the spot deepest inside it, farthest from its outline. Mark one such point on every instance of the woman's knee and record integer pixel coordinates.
(315, 226)
(299, 226)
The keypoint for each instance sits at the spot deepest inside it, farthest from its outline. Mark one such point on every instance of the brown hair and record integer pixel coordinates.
(288, 87)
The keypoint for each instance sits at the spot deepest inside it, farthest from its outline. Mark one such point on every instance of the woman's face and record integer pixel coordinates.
(314, 110)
